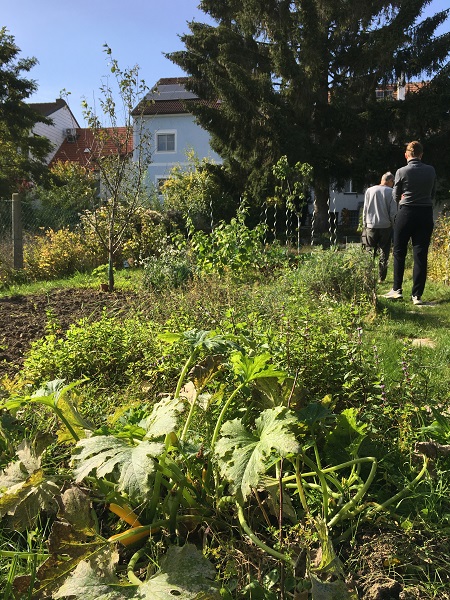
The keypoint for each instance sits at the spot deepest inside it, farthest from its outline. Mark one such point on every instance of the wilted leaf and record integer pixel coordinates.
(72, 538)
(184, 574)
(25, 490)
(244, 456)
(271, 392)
(131, 466)
(204, 371)
(163, 418)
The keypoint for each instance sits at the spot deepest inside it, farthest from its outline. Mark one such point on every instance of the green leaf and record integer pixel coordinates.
(130, 466)
(184, 574)
(314, 414)
(249, 368)
(346, 437)
(244, 456)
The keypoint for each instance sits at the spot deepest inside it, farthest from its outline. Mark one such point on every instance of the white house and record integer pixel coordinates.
(173, 129)
(62, 127)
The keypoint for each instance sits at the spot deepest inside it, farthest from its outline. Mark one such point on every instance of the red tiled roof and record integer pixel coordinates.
(85, 149)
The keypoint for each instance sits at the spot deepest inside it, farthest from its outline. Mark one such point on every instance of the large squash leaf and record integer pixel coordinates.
(130, 466)
(163, 419)
(244, 456)
(184, 574)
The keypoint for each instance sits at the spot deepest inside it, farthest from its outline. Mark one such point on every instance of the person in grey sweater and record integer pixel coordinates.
(414, 191)
(379, 212)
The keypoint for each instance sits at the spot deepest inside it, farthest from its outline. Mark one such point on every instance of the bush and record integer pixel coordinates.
(338, 274)
(171, 269)
(56, 254)
(142, 235)
(439, 259)
(106, 351)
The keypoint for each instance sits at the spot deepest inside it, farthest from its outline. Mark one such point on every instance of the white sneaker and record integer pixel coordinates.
(417, 300)
(394, 295)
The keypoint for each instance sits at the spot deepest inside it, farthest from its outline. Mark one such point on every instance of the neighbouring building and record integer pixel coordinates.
(172, 129)
(63, 123)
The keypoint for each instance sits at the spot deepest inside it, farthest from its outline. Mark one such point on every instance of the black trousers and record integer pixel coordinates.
(380, 239)
(413, 223)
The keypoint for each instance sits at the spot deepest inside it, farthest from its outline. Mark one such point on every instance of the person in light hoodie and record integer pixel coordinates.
(379, 212)
(414, 191)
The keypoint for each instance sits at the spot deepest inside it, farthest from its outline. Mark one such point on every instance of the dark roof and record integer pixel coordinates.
(83, 147)
(168, 97)
(46, 109)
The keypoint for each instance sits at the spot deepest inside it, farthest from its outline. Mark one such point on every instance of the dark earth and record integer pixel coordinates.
(23, 319)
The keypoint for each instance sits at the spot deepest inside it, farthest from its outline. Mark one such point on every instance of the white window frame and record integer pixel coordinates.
(166, 132)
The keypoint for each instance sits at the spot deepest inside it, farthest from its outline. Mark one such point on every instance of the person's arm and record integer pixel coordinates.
(392, 210)
(433, 190)
(364, 216)
(398, 188)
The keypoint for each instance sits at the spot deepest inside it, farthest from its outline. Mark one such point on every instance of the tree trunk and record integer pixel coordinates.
(321, 205)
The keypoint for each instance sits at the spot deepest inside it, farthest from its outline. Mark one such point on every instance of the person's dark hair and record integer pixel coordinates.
(414, 148)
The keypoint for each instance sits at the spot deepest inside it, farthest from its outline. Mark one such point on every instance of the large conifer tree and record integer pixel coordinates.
(22, 154)
(299, 77)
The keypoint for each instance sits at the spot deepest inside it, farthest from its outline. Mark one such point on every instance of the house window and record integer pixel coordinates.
(160, 181)
(350, 187)
(165, 142)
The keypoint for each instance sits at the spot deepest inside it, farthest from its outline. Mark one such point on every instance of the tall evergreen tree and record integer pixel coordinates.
(22, 154)
(299, 78)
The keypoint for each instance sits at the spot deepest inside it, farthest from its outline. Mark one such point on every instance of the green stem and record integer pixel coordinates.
(258, 542)
(189, 418)
(217, 429)
(359, 494)
(73, 433)
(184, 373)
(131, 566)
(323, 484)
(222, 415)
(155, 495)
(402, 492)
(301, 491)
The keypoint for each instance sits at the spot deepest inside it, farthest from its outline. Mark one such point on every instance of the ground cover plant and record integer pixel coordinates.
(280, 436)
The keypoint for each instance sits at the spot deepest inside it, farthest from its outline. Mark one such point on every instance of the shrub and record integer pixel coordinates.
(141, 237)
(56, 254)
(106, 351)
(231, 248)
(338, 274)
(439, 259)
(170, 269)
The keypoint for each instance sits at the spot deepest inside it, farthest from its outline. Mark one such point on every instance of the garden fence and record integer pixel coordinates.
(19, 218)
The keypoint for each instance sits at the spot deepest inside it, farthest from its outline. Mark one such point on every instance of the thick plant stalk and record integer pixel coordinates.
(258, 542)
(339, 516)
(132, 564)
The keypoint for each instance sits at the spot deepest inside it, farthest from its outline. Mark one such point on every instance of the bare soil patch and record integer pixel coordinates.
(23, 319)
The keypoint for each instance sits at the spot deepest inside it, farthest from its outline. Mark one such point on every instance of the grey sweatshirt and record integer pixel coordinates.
(415, 184)
(379, 207)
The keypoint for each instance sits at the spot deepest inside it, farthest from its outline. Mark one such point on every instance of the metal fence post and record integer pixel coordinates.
(17, 237)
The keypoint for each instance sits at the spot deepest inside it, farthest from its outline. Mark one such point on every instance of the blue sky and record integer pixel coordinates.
(67, 38)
